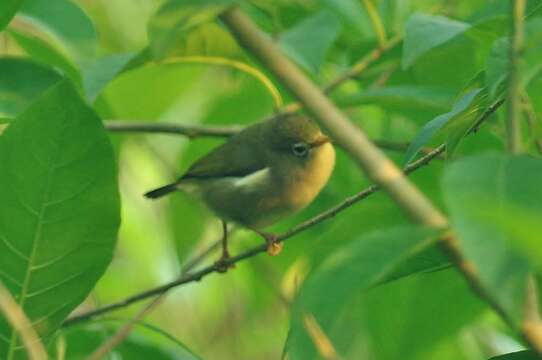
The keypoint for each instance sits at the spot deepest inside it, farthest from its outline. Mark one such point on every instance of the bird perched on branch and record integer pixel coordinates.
(264, 173)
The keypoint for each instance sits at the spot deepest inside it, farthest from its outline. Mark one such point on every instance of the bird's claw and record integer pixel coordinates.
(273, 246)
(223, 264)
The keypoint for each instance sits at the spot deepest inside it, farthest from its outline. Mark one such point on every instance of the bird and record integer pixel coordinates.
(262, 174)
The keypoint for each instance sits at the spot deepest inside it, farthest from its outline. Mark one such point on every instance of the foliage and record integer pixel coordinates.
(366, 283)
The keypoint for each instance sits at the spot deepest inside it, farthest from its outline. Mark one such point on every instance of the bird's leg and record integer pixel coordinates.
(273, 246)
(222, 264)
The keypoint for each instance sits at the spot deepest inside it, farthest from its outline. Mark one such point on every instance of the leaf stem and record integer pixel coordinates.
(514, 82)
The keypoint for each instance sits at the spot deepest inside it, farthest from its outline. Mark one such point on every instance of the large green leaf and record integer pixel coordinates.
(298, 42)
(70, 27)
(175, 18)
(21, 81)
(495, 204)
(60, 209)
(8, 8)
(355, 267)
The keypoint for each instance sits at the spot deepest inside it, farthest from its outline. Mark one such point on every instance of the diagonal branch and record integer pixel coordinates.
(377, 166)
(326, 215)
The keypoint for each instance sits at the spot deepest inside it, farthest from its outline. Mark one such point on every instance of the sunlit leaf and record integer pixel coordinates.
(66, 22)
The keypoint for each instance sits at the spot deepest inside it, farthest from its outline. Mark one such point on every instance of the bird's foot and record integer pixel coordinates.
(273, 246)
(223, 264)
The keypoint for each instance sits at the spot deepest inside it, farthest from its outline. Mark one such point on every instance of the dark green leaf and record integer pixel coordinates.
(299, 42)
(520, 355)
(21, 81)
(358, 266)
(495, 204)
(465, 108)
(60, 213)
(8, 8)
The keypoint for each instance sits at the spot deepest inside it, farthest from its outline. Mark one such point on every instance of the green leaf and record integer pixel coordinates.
(21, 81)
(101, 72)
(60, 209)
(425, 32)
(175, 18)
(358, 266)
(66, 22)
(142, 343)
(464, 109)
(519, 355)
(8, 8)
(42, 52)
(495, 205)
(299, 41)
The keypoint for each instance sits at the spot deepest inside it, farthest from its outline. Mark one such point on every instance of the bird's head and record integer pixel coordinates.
(296, 136)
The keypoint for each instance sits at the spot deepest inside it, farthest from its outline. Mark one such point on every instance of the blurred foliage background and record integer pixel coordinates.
(104, 47)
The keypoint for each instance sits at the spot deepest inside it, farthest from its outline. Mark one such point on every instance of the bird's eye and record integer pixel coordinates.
(300, 149)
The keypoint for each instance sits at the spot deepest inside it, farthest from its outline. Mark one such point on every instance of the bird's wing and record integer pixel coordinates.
(228, 160)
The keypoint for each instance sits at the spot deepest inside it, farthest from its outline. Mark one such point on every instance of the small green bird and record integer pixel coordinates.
(264, 173)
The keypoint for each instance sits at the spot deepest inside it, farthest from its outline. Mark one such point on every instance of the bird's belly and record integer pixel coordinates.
(252, 201)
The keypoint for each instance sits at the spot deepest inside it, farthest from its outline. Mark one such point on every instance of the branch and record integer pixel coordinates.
(326, 215)
(191, 131)
(195, 131)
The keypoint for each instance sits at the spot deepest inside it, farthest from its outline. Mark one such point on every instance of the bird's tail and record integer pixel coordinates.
(161, 191)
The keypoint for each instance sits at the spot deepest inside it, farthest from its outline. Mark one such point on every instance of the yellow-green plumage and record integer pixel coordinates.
(259, 175)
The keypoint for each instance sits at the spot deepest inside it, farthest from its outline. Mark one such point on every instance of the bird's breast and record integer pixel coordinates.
(301, 184)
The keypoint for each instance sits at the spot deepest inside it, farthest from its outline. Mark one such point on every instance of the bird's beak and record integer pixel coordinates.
(321, 141)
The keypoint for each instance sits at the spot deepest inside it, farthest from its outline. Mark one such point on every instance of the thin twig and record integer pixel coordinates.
(191, 131)
(16, 317)
(325, 215)
(195, 131)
